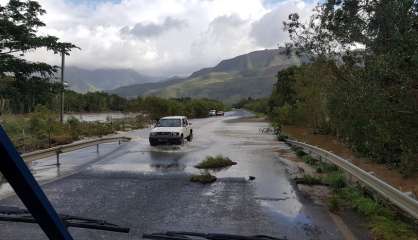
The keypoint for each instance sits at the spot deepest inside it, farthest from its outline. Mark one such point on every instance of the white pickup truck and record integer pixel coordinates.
(173, 129)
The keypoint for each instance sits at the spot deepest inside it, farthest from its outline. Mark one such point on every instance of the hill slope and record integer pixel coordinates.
(84, 80)
(248, 75)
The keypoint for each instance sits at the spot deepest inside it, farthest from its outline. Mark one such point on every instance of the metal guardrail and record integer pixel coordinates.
(398, 198)
(56, 151)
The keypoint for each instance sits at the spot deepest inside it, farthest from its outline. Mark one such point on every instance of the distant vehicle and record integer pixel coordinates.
(212, 113)
(172, 129)
(220, 113)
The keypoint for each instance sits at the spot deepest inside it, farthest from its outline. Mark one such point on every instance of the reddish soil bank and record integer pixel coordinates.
(331, 143)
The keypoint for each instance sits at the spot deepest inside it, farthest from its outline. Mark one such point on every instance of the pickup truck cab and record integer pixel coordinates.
(172, 129)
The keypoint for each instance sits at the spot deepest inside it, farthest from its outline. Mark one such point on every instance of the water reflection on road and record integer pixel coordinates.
(133, 177)
(98, 117)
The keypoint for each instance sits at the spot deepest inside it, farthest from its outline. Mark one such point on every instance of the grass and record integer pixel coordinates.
(260, 115)
(204, 178)
(215, 162)
(383, 222)
(309, 180)
(42, 129)
(323, 167)
(309, 160)
(335, 180)
(299, 152)
(333, 204)
(387, 228)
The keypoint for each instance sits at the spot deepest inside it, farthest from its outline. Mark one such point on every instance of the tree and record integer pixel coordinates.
(19, 23)
(374, 99)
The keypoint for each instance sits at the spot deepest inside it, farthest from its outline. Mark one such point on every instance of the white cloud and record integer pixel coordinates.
(164, 37)
(268, 30)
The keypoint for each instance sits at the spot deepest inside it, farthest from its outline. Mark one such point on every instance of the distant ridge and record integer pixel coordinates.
(84, 80)
(248, 75)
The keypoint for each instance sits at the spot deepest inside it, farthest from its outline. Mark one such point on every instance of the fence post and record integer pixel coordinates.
(58, 157)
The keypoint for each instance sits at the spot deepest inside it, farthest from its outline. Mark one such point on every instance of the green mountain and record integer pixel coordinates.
(84, 80)
(248, 75)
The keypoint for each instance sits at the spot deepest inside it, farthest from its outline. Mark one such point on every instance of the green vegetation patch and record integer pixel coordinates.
(204, 178)
(383, 222)
(323, 167)
(335, 180)
(282, 137)
(309, 180)
(42, 129)
(308, 159)
(299, 152)
(215, 162)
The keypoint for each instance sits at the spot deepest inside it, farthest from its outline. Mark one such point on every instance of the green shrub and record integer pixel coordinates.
(61, 139)
(309, 160)
(300, 152)
(366, 206)
(323, 167)
(215, 162)
(386, 228)
(310, 180)
(335, 180)
(333, 203)
(282, 137)
(204, 178)
(383, 221)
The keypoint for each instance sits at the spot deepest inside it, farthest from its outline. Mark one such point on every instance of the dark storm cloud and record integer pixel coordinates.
(148, 30)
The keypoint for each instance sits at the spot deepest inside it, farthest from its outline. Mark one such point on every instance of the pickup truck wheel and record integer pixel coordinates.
(190, 137)
(181, 140)
(152, 143)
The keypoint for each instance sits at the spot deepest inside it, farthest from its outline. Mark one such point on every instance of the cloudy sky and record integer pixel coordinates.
(165, 37)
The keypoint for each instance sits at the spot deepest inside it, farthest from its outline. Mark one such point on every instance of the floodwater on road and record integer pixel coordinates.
(98, 117)
(148, 189)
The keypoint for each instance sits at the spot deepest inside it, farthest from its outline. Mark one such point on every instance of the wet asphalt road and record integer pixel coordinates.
(148, 189)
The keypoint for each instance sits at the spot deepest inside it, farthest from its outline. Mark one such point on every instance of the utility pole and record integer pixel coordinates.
(62, 87)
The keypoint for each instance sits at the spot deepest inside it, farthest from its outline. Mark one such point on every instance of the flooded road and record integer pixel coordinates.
(98, 117)
(148, 189)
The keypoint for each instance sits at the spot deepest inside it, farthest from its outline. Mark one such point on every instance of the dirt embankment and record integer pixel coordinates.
(331, 143)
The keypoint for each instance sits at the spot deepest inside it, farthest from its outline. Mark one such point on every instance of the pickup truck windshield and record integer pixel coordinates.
(169, 123)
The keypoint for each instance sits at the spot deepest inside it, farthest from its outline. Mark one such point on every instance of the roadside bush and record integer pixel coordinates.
(384, 223)
(157, 107)
(310, 180)
(75, 128)
(282, 137)
(204, 178)
(309, 160)
(215, 162)
(387, 229)
(300, 152)
(333, 203)
(335, 180)
(323, 167)
(256, 105)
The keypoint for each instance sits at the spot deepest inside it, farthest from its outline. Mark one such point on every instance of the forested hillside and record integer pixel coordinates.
(248, 75)
(362, 83)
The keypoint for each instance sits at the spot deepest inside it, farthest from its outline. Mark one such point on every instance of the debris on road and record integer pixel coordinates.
(204, 178)
(215, 162)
